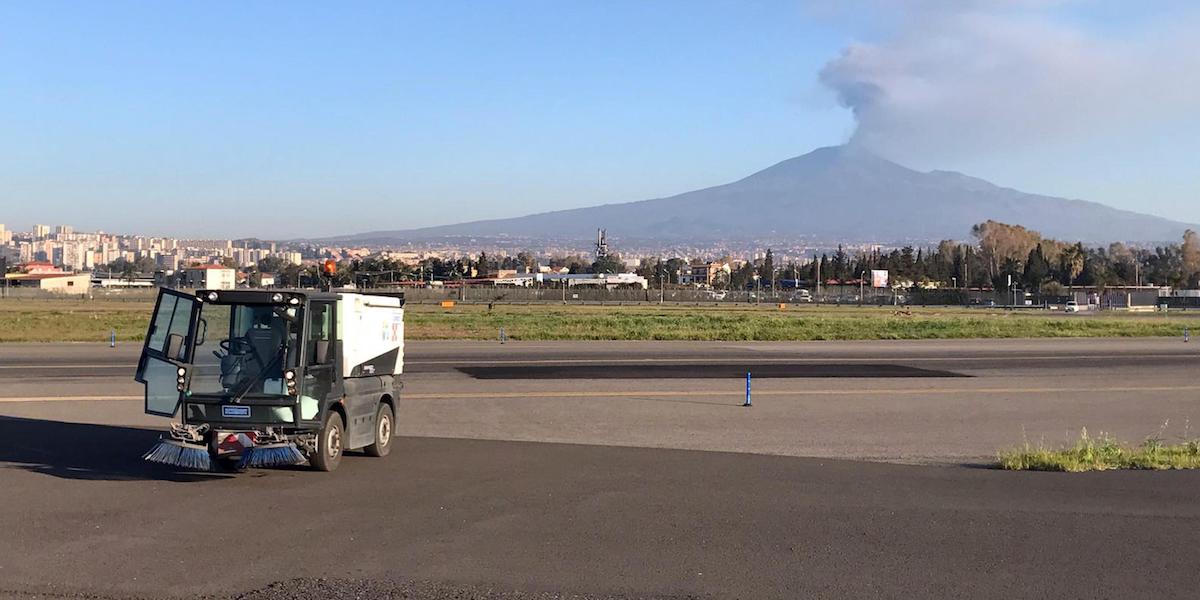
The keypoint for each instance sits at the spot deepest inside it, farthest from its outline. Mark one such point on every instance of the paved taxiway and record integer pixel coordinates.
(623, 508)
(917, 401)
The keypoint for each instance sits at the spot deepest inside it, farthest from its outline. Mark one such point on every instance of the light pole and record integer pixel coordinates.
(861, 281)
(662, 284)
(757, 287)
(817, 260)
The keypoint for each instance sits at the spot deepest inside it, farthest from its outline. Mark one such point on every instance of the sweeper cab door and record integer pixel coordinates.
(167, 348)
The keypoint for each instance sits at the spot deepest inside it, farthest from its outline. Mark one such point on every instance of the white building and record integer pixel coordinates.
(607, 281)
(210, 277)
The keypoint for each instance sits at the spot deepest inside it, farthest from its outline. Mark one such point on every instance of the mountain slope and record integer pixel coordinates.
(835, 193)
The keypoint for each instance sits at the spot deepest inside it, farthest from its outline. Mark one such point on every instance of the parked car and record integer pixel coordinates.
(1072, 306)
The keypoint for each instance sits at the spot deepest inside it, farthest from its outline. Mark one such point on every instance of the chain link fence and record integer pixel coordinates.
(832, 295)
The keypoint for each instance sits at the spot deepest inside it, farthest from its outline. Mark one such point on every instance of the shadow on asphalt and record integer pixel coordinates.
(703, 371)
(84, 451)
(984, 466)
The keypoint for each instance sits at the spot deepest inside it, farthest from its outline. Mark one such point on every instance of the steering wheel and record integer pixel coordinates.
(238, 346)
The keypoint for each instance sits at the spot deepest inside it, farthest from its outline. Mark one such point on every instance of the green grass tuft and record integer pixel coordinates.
(1103, 454)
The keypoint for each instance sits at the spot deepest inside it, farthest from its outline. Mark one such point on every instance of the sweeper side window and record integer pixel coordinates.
(319, 359)
(170, 326)
(168, 344)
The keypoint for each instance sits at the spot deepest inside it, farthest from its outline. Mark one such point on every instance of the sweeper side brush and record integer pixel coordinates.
(180, 454)
(271, 455)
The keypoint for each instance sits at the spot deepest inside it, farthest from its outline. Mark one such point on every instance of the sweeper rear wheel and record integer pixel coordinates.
(385, 423)
(329, 444)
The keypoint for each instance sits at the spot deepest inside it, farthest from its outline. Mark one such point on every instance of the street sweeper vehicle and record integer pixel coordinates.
(272, 377)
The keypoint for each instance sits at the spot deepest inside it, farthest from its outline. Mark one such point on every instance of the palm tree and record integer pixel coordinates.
(1073, 258)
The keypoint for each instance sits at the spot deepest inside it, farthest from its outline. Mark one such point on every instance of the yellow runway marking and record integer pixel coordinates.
(709, 358)
(705, 394)
(69, 398)
(128, 366)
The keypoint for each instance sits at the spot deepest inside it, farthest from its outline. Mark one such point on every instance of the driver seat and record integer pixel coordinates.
(265, 340)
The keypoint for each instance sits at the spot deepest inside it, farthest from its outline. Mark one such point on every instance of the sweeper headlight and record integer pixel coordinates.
(294, 301)
(181, 371)
(289, 375)
(212, 296)
(277, 298)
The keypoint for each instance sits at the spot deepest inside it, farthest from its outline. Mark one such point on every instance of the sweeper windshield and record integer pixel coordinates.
(242, 350)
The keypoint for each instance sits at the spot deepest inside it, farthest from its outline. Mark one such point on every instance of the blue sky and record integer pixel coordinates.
(284, 119)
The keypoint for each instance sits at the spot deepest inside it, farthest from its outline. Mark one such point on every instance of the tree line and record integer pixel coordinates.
(999, 254)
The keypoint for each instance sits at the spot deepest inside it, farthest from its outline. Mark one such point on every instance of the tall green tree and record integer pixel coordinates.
(1037, 269)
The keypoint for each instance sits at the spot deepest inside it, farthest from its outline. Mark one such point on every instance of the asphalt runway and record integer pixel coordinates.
(517, 477)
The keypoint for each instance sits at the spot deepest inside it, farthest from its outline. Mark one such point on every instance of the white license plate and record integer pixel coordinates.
(235, 412)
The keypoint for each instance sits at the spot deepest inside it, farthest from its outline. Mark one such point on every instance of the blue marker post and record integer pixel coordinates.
(112, 338)
(747, 403)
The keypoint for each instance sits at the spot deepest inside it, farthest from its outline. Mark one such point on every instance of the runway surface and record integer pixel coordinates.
(621, 469)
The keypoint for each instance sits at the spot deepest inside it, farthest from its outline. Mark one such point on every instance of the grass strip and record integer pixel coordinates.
(92, 320)
(1103, 454)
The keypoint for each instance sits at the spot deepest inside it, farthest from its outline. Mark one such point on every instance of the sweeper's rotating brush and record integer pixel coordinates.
(271, 455)
(180, 454)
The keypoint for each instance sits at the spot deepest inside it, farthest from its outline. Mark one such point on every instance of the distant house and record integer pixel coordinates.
(210, 277)
(47, 277)
(700, 273)
(58, 283)
(266, 280)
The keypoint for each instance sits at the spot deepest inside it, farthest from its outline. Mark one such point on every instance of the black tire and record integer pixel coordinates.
(331, 444)
(385, 429)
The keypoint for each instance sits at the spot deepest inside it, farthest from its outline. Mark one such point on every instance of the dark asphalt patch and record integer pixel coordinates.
(525, 518)
(357, 589)
(704, 371)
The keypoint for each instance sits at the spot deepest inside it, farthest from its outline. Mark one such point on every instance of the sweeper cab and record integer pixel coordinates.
(272, 377)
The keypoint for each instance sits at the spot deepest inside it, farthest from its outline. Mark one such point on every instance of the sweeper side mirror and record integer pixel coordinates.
(175, 346)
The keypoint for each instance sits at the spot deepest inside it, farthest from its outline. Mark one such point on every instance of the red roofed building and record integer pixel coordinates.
(39, 267)
(59, 283)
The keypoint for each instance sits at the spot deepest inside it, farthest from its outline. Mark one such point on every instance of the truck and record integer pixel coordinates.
(260, 378)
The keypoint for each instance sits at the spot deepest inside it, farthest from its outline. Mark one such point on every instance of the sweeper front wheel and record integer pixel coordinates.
(329, 444)
(385, 422)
